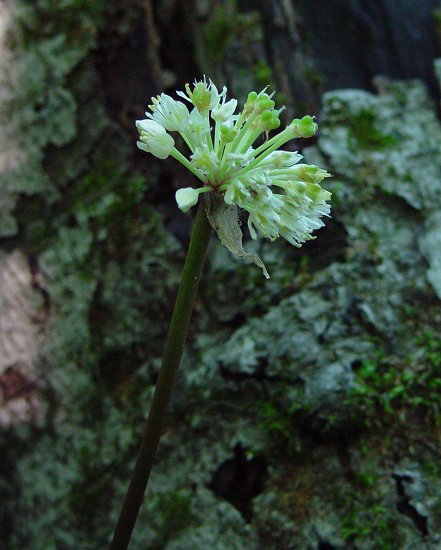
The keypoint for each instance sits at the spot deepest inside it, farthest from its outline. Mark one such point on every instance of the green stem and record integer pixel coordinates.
(180, 157)
(174, 347)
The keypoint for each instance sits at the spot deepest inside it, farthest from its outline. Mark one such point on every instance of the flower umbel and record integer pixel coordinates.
(282, 197)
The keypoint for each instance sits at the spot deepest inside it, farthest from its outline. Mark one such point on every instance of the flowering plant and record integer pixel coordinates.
(281, 196)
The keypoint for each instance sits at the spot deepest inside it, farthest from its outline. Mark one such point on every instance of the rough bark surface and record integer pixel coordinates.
(307, 413)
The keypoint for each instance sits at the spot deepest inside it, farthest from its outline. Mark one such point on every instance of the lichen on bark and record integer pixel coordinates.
(307, 414)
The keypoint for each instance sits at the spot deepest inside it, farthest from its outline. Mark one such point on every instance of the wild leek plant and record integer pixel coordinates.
(281, 196)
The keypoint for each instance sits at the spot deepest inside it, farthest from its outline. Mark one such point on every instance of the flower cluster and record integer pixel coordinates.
(281, 196)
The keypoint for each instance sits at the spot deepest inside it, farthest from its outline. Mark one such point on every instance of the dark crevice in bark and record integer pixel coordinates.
(404, 505)
(239, 480)
(259, 374)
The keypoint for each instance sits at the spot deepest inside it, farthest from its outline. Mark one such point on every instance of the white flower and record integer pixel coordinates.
(281, 159)
(224, 111)
(204, 96)
(282, 197)
(186, 198)
(154, 139)
(169, 113)
(196, 131)
(204, 159)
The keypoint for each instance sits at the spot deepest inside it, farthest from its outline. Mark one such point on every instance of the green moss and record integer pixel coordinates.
(314, 78)
(108, 266)
(431, 469)
(50, 41)
(366, 133)
(175, 516)
(219, 31)
(366, 522)
(107, 296)
(275, 420)
(111, 273)
(391, 384)
(263, 74)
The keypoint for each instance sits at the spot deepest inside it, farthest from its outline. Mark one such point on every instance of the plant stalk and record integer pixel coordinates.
(174, 347)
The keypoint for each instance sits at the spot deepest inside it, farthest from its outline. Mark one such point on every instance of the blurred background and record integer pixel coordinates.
(307, 411)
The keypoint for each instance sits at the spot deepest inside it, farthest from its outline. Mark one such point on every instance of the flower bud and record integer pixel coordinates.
(309, 173)
(250, 102)
(227, 133)
(269, 120)
(316, 193)
(304, 127)
(252, 97)
(186, 198)
(264, 103)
